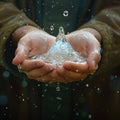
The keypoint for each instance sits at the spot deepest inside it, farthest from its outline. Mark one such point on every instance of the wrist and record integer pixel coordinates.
(21, 31)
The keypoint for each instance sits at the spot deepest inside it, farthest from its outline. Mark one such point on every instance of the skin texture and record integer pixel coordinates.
(32, 41)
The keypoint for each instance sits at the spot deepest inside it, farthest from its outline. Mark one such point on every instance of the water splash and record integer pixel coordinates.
(60, 52)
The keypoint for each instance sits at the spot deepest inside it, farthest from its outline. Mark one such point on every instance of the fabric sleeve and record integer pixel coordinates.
(11, 18)
(107, 23)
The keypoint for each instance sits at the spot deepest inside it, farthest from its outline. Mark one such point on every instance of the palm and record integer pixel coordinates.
(33, 43)
(38, 43)
(85, 43)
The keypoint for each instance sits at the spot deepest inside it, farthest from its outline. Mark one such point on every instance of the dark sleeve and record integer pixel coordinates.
(11, 18)
(107, 23)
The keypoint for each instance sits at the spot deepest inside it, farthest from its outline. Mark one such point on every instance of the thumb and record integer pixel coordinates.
(21, 55)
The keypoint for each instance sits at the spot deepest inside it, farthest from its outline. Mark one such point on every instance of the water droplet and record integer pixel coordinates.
(57, 88)
(45, 90)
(38, 2)
(22, 94)
(24, 83)
(89, 116)
(118, 91)
(3, 100)
(4, 38)
(46, 84)
(116, 76)
(89, 10)
(98, 90)
(66, 88)
(73, 89)
(76, 104)
(52, 6)
(107, 15)
(42, 95)
(77, 113)
(28, 9)
(21, 16)
(51, 27)
(62, 46)
(87, 85)
(6, 74)
(111, 77)
(58, 107)
(65, 13)
(72, 6)
(58, 98)
(35, 106)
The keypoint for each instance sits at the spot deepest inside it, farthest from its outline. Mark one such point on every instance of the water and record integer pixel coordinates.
(65, 13)
(60, 52)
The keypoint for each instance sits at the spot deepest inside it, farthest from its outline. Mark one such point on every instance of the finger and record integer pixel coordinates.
(52, 77)
(70, 75)
(21, 55)
(29, 65)
(74, 66)
(39, 72)
(93, 60)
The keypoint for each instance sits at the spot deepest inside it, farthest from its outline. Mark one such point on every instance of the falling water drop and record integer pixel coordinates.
(58, 87)
(6, 74)
(51, 27)
(87, 85)
(65, 13)
(89, 116)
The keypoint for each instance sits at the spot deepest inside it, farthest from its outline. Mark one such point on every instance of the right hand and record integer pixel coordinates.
(33, 42)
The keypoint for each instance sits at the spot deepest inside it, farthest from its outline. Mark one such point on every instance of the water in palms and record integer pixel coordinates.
(60, 52)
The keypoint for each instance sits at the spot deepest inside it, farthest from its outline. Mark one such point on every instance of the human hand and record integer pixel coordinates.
(87, 42)
(70, 71)
(32, 42)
